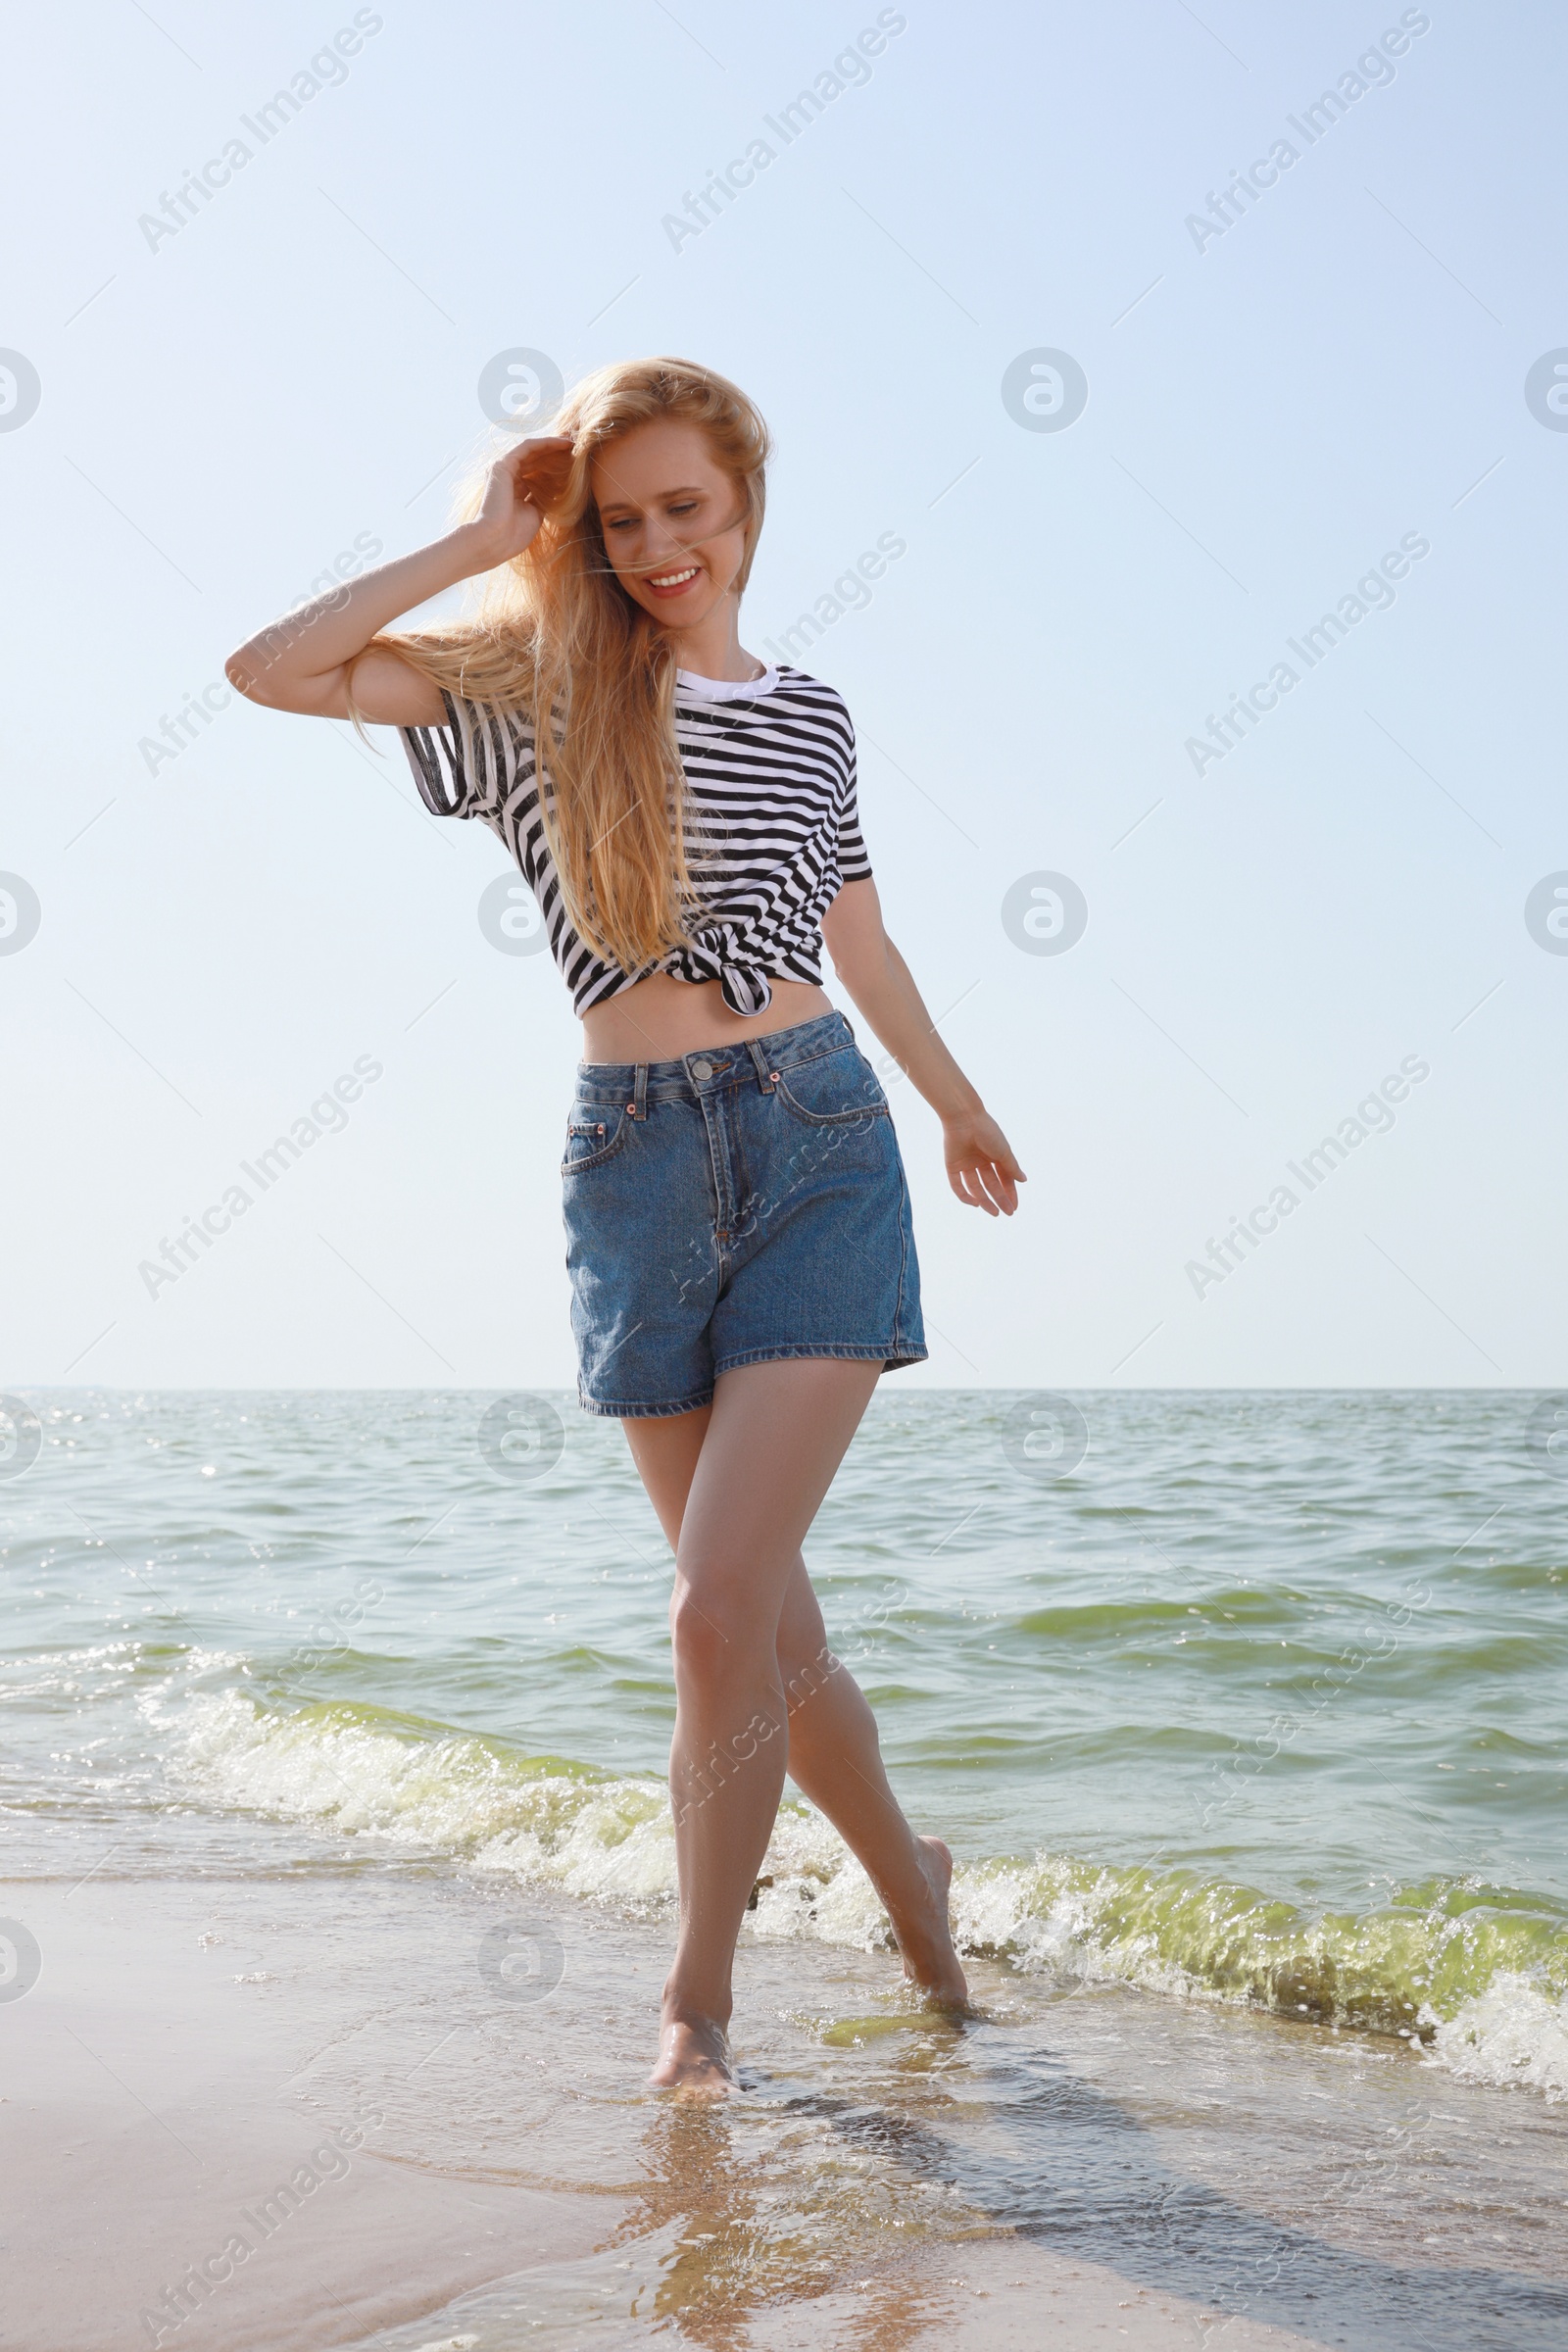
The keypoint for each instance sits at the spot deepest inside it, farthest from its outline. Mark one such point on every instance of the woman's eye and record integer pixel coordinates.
(689, 508)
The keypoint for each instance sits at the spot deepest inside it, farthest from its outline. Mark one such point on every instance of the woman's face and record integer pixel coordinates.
(673, 522)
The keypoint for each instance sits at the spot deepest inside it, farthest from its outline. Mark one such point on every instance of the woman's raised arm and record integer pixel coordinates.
(302, 660)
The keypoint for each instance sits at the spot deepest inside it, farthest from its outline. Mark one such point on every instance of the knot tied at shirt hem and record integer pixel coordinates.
(744, 987)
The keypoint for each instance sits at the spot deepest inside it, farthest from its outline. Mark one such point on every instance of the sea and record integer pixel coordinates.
(1242, 1712)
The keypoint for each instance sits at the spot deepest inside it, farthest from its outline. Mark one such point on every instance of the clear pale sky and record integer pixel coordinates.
(237, 391)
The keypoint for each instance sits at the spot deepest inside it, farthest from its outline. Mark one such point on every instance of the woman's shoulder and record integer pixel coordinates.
(817, 704)
(801, 681)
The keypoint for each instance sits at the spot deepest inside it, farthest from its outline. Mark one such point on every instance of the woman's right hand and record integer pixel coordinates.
(303, 660)
(519, 491)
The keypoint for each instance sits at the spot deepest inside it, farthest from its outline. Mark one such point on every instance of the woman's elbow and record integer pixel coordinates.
(246, 674)
(257, 671)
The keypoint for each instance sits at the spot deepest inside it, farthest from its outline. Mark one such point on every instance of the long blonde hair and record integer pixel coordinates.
(557, 637)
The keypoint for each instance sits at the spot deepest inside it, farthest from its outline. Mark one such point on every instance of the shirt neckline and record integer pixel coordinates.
(728, 690)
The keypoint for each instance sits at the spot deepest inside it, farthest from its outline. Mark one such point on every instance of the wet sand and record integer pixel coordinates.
(155, 2124)
(319, 2088)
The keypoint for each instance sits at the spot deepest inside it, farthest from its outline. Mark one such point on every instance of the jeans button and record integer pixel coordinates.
(702, 1070)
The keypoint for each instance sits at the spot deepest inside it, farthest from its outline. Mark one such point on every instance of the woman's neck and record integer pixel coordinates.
(714, 649)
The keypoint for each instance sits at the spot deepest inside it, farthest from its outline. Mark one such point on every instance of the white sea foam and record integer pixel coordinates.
(1511, 2033)
(455, 1794)
(604, 1839)
(609, 1840)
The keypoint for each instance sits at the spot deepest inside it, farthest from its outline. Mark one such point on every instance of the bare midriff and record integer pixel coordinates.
(660, 1019)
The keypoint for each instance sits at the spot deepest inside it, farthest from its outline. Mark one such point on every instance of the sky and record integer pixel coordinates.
(1137, 427)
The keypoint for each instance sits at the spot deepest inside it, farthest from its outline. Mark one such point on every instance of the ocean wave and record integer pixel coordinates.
(364, 1771)
(1476, 1975)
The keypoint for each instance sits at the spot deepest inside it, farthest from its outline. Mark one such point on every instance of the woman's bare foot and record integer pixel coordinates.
(693, 2058)
(924, 1937)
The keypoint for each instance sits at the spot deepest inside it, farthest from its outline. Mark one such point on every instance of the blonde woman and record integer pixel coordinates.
(738, 1226)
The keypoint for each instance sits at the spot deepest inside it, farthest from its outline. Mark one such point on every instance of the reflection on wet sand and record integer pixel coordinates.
(749, 2221)
(801, 2190)
(1272, 2175)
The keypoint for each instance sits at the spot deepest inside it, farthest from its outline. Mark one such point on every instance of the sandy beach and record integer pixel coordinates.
(205, 2068)
(307, 2091)
(157, 2113)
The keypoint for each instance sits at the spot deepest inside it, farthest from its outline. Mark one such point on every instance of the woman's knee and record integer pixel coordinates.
(715, 1636)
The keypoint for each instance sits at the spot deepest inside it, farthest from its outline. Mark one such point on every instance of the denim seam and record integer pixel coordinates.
(906, 1234)
(638, 1409)
(809, 1351)
(683, 1089)
(718, 1179)
(830, 1118)
(799, 1061)
(736, 1082)
(893, 1359)
(595, 1159)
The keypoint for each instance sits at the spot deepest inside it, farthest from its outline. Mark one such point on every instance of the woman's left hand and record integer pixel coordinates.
(981, 1167)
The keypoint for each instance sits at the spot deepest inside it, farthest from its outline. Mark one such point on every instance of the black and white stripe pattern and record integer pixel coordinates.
(773, 827)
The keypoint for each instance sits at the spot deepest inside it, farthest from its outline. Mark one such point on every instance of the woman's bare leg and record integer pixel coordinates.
(776, 1433)
(835, 1758)
(735, 1486)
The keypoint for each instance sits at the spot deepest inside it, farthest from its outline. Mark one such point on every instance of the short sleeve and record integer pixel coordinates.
(472, 765)
(854, 864)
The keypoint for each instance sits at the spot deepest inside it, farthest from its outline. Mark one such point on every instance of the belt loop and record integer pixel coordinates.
(766, 1077)
(638, 1106)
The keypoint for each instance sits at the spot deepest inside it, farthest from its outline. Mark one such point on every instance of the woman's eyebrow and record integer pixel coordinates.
(610, 505)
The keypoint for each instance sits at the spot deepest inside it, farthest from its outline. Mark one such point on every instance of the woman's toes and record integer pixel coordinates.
(694, 2059)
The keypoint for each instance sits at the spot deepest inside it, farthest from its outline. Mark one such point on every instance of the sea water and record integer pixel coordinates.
(1243, 1713)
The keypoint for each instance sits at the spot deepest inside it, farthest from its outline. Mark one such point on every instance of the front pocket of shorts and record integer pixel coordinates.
(836, 1089)
(592, 1140)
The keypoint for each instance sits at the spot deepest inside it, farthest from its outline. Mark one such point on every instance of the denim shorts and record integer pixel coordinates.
(742, 1205)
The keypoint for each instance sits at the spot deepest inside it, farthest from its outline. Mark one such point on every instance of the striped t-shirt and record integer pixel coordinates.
(772, 826)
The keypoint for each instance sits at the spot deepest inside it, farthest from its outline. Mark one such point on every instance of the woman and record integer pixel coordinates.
(738, 1225)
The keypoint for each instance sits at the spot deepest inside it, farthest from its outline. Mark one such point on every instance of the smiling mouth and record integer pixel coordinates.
(671, 583)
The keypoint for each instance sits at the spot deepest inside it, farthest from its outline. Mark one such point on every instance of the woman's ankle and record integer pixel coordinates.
(702, 2012)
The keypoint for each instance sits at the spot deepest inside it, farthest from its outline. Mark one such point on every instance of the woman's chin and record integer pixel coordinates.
(681, 611)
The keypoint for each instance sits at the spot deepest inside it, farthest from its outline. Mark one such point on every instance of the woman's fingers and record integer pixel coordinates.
(981, 1167)
(552, 449)
(999, 1187)
(539, 469)
(988, 1184)
(1010, 1176)
(521, 487)
(965, 1181)
(533, 475)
